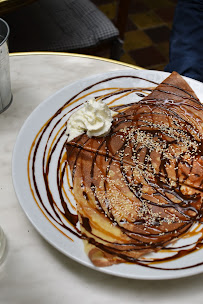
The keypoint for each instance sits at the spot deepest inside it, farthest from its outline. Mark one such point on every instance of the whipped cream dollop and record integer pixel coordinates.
(94, 118)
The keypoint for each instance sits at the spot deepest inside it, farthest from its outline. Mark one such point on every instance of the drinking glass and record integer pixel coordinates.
(5, 82)
(2, 244)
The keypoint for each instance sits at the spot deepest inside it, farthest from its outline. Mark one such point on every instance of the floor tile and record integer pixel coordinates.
(158, 67)
(128, 59)
(109, 10)
(170, 25)
(146, 20)
(130, 25)
(163, 47)
(136, 39)
(166, 13)
(174, 1)
(137, 6)
(148, 31)
(158, 3)
(147, 56)
(158, 34)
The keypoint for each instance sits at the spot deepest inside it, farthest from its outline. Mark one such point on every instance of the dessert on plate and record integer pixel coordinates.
(138, 187)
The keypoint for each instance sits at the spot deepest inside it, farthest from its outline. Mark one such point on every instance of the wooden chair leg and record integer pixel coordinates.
(116, 50)
(122, 16)
(120, 22)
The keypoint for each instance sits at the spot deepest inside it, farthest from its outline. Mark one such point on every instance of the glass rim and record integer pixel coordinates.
(8, 31)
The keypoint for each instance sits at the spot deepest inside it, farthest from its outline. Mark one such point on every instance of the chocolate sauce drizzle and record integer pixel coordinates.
(188, 210)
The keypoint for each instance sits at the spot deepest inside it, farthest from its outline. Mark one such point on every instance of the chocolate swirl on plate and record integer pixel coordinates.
(137, 190)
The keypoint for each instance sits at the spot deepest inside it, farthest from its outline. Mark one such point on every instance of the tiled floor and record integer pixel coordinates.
(148, 30)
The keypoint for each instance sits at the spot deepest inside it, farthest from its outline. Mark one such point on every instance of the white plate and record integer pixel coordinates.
(47, 224)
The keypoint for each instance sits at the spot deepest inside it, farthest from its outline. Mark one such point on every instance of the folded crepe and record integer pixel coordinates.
(140, 187)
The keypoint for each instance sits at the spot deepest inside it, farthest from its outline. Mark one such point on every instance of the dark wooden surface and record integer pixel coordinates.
(7, 6)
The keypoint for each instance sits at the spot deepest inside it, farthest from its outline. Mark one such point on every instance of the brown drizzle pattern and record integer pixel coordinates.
(61, 213)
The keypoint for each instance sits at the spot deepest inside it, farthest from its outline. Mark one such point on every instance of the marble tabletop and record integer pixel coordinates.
(33, 271)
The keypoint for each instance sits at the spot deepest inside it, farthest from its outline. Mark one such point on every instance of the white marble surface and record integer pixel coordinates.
(33, 271)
